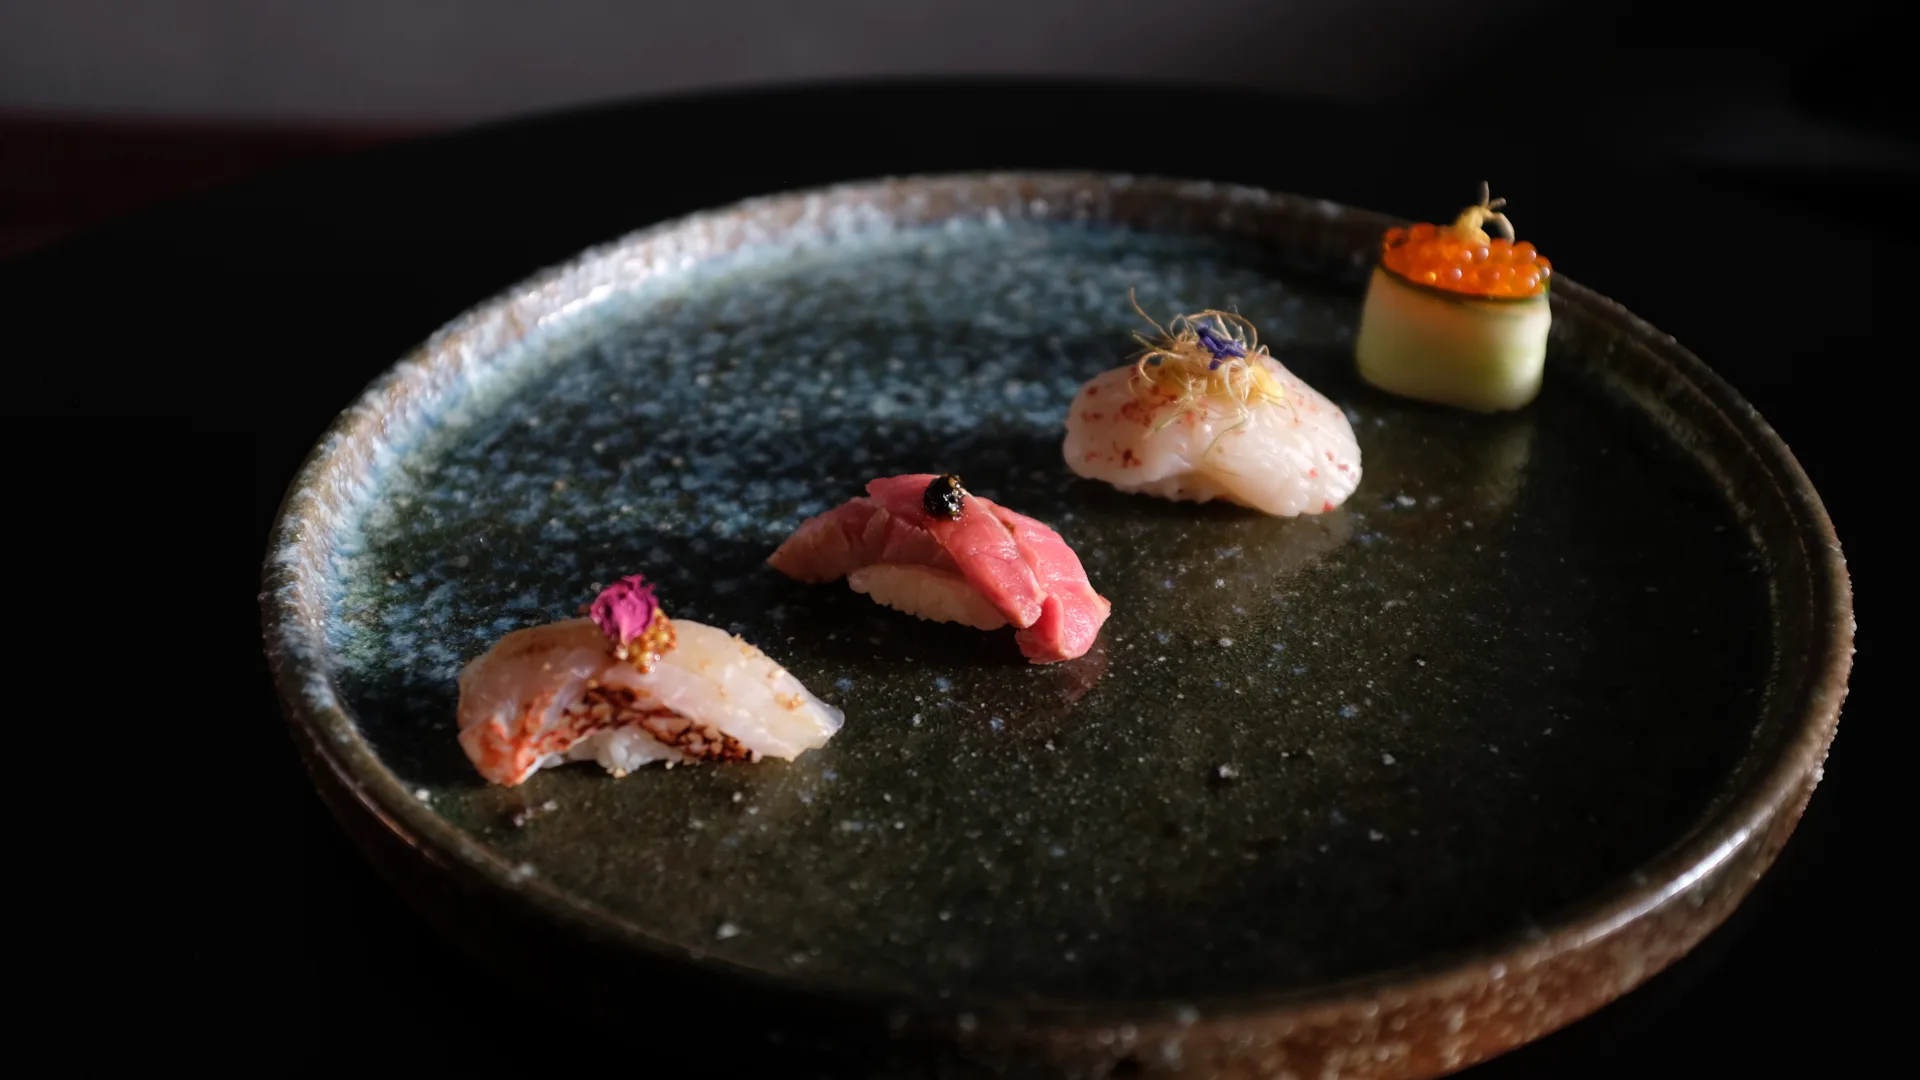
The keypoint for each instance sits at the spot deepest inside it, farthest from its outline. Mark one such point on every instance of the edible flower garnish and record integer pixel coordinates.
(1207, 358)
(635, 624)
(1220, 347)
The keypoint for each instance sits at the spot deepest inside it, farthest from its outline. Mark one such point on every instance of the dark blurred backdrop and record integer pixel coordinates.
(1672, 64)
(239, 86)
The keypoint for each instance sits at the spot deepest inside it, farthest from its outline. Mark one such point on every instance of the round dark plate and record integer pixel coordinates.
(1377, 793)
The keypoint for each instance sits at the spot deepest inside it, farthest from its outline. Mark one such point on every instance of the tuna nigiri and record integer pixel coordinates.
(924, 545)
(627, 686)
(1205, 413)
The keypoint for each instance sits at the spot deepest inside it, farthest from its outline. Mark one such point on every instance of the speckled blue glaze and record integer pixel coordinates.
(1301, 751)
(723, 409)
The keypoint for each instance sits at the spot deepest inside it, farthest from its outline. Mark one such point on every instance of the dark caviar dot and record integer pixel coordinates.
(944, 497)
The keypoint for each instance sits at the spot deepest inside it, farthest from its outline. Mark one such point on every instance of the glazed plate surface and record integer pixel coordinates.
(1526, 681)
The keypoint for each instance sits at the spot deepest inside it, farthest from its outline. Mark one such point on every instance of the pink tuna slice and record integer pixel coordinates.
(1072, 614)
(826, 547)
(1016, 564)
(979, 544)
(854, 534)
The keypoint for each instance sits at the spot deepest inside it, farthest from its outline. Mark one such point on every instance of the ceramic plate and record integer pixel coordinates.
(1375, 793)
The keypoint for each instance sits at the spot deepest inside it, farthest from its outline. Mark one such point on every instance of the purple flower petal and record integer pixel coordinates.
(1221, 347)
(624, 610)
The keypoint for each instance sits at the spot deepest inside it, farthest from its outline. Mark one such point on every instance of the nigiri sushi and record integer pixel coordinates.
(626, 686)
(1456, 317)
(926, 546)
(1205, 413)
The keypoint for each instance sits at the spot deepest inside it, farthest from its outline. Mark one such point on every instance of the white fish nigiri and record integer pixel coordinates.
(1206, 414)
(671, 690)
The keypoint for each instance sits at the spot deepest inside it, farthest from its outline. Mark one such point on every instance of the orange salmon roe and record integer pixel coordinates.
(1437, 255)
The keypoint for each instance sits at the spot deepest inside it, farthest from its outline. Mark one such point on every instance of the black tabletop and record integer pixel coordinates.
(234, 327)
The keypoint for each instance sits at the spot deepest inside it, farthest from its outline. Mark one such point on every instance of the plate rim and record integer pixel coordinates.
(1739, 834)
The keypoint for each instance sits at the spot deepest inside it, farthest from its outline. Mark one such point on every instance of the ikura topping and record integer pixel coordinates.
(635, 624)
(1462, 258)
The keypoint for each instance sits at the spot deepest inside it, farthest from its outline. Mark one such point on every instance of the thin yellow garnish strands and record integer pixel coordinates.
(1471, 224)
(1200, 358)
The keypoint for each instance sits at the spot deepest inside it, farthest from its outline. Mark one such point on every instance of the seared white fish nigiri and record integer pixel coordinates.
(1206, 414)
(670, 690)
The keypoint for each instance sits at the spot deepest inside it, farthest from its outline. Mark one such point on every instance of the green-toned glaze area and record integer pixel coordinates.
(1513, 667)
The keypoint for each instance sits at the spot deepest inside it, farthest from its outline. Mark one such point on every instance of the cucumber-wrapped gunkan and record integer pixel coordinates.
(1455, 316)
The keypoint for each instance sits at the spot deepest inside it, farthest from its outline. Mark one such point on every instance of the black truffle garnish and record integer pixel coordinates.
(943, 497)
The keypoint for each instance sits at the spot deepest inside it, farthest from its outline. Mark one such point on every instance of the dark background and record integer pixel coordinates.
(1743, 184)
(1657, 68)
(107, 105)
